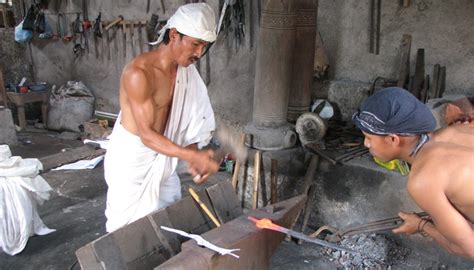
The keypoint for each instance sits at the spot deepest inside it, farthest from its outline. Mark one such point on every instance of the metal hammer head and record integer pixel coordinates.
(230, 143)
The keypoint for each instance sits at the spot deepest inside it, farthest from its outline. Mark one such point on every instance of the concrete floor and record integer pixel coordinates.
(76, 211)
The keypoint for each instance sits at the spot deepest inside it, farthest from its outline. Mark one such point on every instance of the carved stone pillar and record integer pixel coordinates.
(303, 61)
(276, 44)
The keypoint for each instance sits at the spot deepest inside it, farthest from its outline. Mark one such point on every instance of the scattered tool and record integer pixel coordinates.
(310, 190)
(204, 207)
(235, 176)
(359, 151)
(273, 181)
(380, 225)
(315, 149)
(268, 224)
(256, 178)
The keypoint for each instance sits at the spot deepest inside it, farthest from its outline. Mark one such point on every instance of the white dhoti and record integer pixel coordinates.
(141, 180)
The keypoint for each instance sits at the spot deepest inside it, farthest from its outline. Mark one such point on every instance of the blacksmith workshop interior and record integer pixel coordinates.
(291, 183)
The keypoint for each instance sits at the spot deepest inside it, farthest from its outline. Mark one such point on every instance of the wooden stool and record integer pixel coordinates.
(21, 99)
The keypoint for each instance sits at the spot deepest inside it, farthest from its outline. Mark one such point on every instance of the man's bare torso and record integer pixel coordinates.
(448, 161)
(160, 90)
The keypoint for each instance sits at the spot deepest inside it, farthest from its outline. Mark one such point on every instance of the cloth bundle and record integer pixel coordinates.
(21, 190)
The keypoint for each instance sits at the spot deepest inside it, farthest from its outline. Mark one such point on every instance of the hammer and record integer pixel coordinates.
(110, 25)
(229, 143)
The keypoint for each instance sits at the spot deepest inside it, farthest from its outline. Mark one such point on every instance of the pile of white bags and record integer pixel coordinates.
(21, 190)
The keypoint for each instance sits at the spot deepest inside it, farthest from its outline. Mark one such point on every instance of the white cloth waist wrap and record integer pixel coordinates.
(141, 180)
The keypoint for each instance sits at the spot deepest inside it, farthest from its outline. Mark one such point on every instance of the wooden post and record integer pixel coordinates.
(404, 66)
(274, 178)
(3, 92)
(256, 179)
(235, 176)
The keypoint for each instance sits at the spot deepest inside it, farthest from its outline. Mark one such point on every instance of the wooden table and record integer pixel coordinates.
(20, 100)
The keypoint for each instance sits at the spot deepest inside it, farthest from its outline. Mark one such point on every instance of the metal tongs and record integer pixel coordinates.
(380, 225)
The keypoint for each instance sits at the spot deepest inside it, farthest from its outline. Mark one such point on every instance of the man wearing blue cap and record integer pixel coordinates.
(441, 182)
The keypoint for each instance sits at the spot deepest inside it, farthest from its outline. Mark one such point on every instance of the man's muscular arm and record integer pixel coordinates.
(143, 107)
(449, 228)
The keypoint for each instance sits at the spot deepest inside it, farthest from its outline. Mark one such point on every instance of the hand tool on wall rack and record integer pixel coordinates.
(106, 44)
(114, 22)
(97, 34)
(86, 24)
(113, 36)
(148, 6)
(132, 40)
(375, 10)
(124, 41)
(140, 37)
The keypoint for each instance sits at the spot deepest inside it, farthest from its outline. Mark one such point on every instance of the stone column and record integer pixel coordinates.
(303, 61)
(276, 43)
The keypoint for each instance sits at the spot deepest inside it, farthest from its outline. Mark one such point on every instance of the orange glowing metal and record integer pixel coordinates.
(265, 223)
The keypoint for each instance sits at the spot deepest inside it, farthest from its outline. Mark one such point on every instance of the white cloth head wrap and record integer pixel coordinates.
(196, 20)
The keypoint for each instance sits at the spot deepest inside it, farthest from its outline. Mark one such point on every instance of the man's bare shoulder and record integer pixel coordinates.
(461, 134)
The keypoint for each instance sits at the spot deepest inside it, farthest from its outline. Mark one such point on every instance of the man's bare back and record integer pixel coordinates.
(448, 162)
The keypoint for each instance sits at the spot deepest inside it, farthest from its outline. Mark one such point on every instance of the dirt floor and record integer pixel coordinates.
(76, 211)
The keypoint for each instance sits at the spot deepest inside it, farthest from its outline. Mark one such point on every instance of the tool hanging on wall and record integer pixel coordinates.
(375, 10)
(151, 28)
(97, 34)
(86, 25)
(131, 34)
(140, 37)
(124, 41)
(77, 31)
(232, 20)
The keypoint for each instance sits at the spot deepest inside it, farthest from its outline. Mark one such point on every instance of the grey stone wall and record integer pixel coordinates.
(441, 27)
(13, 58)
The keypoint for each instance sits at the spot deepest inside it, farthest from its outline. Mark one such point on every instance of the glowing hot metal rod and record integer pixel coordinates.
(265, 223)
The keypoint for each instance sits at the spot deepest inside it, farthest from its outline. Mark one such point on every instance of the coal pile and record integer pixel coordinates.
(373, 251)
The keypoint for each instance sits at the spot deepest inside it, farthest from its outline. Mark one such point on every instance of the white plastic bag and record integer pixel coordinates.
(22, 36)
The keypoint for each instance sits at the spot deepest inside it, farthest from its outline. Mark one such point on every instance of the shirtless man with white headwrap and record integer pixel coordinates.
(165, 116)
(441, 182)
